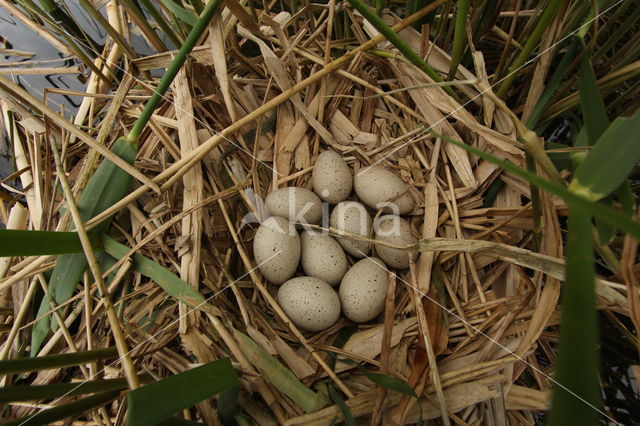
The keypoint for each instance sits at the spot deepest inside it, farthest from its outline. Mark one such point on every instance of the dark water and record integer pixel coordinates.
(15, 35)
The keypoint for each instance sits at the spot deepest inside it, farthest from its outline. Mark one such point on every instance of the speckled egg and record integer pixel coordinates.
(363, 290)
(375, 185)
(395, 230)
(296, 204)
(352, 217)
(332, 178)
(309, 302)
(322, 257)
(276, 248)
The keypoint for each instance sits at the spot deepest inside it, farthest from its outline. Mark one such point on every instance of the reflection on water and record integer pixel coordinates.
(15, 35)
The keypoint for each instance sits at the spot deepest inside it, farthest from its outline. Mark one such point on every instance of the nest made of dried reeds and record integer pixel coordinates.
(470, 327)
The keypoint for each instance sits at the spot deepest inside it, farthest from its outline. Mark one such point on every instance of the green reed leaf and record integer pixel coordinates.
(15, 242)
(610, 161)
(576, 394)
(597, 210)
(65, 411)
(181, 13)
(347, 416)
(280, 376)
(42, 327)
(459, 37)
(390, 383)
(153, 403)
(166, 279)
(57, 390)
(594, 113)
(49, 362)
(106, 187)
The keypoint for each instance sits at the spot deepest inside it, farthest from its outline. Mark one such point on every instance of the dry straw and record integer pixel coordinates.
(464, 327)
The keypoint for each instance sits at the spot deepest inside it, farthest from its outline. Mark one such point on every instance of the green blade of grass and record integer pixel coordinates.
(49, 362)
(162, 23)
(398, 42)
(388, 382)
(56, 390)
(110, 183)
(198, 6)
(554, 82)
(576, 395)
(347, 416)
(597, 210)
(566, 60)
(153, 403)
(65, 411)
(594, 113)
(459, 37)
(627, 198)
(106, 187)
(596, 122)
(392, 384)
(489, 16)
(42, 327)
(228, 407)
(44, 324)
(166, 80)
(177, 421)
(613, 38)
(166, 279)
(412, 6)
(608, 164)
(581, 141)
(180, 13)
(545, 20)
(280, 376)
(15, 242)
(341, 339)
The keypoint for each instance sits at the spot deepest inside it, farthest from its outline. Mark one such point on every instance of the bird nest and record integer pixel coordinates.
(470, 327)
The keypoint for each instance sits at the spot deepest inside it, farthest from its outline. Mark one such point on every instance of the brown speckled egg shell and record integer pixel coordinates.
(401, 236)
(322, 257)
(310, 303)
(352, 217)
(296, 204)
(375, 185)
(276, 249)
(332, 178)
(363, 290)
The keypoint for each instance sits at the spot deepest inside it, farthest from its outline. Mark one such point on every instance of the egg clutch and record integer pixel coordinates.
(285, 240)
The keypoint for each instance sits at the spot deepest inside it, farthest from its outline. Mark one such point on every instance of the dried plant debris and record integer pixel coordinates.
(465, 329)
